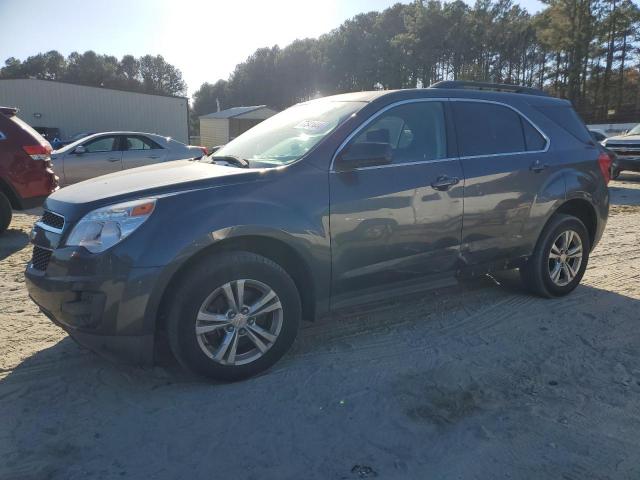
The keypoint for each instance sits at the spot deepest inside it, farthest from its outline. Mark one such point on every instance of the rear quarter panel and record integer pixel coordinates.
(578, 177)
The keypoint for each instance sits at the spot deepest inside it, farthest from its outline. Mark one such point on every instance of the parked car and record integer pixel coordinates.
(627, 150)
(109, 152)
(26, 175)
(331, 203)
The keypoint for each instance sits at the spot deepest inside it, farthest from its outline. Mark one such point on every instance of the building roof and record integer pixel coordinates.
(124, 90)
(233, 112)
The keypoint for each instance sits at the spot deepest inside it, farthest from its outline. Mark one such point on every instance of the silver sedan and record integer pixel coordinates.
(109, 152)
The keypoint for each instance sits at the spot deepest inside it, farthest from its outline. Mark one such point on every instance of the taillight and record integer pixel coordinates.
(604, 162)
(38, 152)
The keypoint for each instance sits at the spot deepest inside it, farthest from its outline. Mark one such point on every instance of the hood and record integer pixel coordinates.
(631, 139)
(153, 179)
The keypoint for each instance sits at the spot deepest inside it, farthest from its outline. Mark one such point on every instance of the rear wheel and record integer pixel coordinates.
(233, 316)
(560, 258)
(5, 212)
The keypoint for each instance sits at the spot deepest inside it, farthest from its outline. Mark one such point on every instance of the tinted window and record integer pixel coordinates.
(103, 144)
(141, 143)
(486, 128)
(533, 140)
(567, 118)
(415, 132)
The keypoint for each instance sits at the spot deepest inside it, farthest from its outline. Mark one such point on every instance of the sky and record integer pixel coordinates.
(204, 39)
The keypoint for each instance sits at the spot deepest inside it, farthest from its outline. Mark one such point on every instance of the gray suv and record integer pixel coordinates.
(331, 203)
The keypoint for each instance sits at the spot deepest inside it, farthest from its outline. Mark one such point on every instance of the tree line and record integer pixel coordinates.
(147, 74)
(583, 50)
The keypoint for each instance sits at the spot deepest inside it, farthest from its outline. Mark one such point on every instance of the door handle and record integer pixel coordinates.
(154, 157)
(537, 167)
(113, 159)
(444, 182)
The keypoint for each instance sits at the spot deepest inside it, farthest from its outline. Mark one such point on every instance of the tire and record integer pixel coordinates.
(201, 300)
(537, 274)
(5, 213)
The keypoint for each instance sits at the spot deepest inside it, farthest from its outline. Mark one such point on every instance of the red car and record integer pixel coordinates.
(26, 173)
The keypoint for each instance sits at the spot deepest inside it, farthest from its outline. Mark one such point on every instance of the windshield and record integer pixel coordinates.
(635, 130)
(287, 136)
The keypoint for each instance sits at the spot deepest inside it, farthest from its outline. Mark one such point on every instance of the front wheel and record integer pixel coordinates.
(560, 258)
(233, 316)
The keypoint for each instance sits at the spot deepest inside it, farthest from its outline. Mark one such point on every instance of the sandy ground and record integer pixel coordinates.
(480, 381)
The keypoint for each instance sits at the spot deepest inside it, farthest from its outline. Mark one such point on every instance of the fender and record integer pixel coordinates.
(245, 219)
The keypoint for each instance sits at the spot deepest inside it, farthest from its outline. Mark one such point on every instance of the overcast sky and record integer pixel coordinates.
(204, 39)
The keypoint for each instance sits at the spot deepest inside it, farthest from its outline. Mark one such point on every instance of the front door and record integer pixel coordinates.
(395, 224)
(100, 156)
(506, 164)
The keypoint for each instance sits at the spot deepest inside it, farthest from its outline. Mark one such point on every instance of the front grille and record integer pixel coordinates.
(40, 258)
(52, 219)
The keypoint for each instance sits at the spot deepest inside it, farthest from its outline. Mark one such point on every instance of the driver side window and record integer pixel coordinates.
(103, 144)
(415, 132)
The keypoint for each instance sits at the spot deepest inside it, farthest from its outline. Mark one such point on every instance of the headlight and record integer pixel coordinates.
(103, 228)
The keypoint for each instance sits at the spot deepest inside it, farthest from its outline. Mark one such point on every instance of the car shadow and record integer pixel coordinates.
(426, 370)
(11, 241)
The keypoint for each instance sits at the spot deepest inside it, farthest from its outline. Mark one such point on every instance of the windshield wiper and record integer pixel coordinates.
(237, 161)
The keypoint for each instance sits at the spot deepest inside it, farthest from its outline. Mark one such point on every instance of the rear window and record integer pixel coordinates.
(566, 118)
(26, 127)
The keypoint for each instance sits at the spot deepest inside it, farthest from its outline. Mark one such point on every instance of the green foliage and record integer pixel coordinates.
(148, 74)
(584, 50)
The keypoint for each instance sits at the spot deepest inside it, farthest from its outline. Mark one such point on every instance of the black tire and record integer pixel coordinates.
(5, 213)
(535, 273)
(197, 285)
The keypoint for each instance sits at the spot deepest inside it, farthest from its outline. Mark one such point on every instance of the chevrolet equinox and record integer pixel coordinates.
(330, 203)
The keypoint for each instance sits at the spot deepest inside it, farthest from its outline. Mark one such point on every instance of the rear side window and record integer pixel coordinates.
(487, 129)
(532, 138)
(565, 117)
(141, 143)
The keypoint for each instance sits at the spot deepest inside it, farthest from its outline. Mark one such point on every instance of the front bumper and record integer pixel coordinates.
(101, 301)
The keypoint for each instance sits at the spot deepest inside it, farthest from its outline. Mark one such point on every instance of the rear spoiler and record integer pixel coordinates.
(9, 111)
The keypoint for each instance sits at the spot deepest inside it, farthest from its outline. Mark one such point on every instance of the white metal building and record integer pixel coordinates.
(77, 108)
(218, 128)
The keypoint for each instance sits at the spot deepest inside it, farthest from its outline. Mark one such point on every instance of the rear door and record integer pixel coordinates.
(505, 162)
(102, 155)
(399, 223)
(140, 150)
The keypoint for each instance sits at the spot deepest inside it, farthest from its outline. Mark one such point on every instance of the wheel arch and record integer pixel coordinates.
(581, 209)
(275, 249)
(10, 194)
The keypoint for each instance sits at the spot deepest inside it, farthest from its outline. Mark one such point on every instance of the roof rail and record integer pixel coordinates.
(496, 87)
(9, 111)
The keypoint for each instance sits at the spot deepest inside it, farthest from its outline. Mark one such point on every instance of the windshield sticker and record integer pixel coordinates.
(311, 125)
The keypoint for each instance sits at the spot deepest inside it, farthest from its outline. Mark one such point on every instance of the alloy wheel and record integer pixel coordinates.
(565, 258)
(239, 322)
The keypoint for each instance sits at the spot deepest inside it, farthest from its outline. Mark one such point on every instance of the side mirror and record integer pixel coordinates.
(364, 154)
(79, 150)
